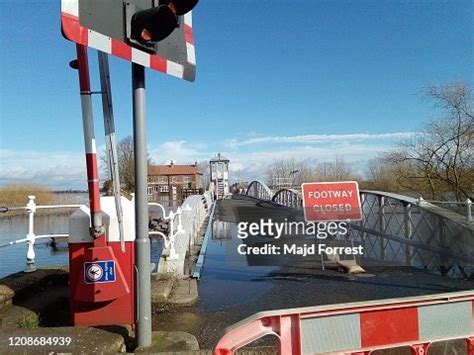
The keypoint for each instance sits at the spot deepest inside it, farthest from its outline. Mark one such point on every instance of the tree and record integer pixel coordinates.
(126, 163)
(288, 172)
(204, 169)
(337, 170)
(439, 161)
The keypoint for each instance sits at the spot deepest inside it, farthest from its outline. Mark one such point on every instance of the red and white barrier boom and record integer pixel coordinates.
(362, 327)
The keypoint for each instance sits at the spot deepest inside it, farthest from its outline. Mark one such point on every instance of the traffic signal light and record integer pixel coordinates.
(146, 27)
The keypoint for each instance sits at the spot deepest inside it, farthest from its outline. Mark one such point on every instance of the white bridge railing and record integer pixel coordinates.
(186, 222)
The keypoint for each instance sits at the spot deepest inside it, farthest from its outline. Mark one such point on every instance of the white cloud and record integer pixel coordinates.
(322, 138)
(179, 151)
(60, 170)
(248, 156)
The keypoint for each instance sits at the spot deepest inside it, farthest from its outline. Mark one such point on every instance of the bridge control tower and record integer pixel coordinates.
(219, 166)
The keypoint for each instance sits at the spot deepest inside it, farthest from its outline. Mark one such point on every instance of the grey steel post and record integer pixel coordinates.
(382, 225)
(111, 147)
(408, 232)
(142, 242)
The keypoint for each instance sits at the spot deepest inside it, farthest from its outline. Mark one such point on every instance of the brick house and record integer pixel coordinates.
(172, 181)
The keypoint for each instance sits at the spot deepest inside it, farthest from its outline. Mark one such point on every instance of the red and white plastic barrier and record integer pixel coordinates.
(362, 327)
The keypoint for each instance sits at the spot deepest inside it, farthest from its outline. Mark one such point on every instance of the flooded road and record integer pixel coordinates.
(232, 287)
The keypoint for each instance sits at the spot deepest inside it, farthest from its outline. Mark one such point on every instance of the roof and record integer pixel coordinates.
(172, 169)
(219, 157)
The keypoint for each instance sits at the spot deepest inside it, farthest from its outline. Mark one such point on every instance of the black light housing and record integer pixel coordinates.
(157, 23)
(181, 7)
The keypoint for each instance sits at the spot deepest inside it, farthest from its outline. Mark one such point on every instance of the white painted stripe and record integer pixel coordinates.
(100, 42)
(188, 19)
(191, 53)
(140, 57)
(445, 320)
(88, 124)
(174, 69)
(93, 147)
(70, 7)
(330, 334)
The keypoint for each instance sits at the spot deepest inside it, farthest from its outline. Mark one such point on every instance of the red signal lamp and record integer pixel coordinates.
(157, 23)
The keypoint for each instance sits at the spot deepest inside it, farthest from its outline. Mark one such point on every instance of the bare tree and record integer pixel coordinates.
(125, 158)
(337, 170)
(440, 160)
(204, 169)
(288, 172)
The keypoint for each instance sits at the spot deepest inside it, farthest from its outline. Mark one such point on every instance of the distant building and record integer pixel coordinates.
(173, 181)
(219, 166)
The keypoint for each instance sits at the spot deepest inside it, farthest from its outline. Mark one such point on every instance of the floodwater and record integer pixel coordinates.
(233, 287)
(13, 257)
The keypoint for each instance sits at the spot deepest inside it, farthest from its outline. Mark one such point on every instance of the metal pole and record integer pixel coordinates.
(97, 230)
(111, 147)
(142, 242)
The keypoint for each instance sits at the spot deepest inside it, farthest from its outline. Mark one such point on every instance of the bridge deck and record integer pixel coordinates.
(230, 289)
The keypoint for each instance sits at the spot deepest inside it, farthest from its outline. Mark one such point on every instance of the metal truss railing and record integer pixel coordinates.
(413, 232)
(260, 190)
(289, 198)
(402, 230)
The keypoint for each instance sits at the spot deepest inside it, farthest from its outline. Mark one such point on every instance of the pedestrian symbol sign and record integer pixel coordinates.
(99, 271)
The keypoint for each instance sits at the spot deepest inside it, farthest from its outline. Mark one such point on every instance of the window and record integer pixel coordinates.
(163, 179)
(164, 188)
(188, 178)
(174, 179)
(149, 190)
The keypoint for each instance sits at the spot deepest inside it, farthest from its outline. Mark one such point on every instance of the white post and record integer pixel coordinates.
(30, 254)
(469, 210)
(172, 237)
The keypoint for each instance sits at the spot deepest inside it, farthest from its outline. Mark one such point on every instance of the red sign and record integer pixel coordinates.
(331, 201)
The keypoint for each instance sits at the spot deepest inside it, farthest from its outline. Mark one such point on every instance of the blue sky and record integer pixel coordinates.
(304, 78)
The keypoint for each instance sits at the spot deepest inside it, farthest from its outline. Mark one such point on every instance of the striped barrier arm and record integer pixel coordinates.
(362, 327)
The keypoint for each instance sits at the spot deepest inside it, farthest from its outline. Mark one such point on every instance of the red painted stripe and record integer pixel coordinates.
(188, 34)
(389, 326)
(93, 182)
(121, 50)
(84, 81)
(73, 31)
(158, 63)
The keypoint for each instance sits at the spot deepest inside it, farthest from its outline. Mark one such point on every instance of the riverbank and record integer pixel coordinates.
(36, 305)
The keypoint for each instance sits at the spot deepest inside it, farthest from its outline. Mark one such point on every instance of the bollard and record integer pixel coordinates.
(30, 254)
(468, 210)
(420, 200)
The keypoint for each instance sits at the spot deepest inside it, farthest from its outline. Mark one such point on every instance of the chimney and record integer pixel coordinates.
(219, 156)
